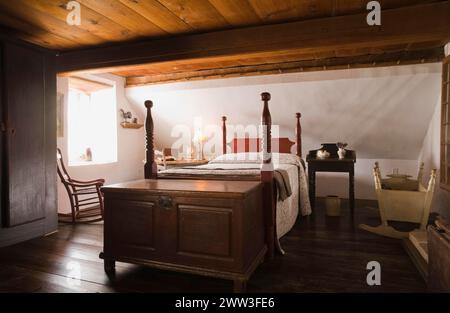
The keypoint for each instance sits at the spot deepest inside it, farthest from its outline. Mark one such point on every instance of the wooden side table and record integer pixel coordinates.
(331, 164)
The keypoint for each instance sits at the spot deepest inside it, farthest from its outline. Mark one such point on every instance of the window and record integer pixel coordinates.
(445, 130)
(92, 126)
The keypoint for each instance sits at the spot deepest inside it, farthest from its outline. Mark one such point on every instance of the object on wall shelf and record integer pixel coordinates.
(131, 125)
(128, 116)
(125, 115)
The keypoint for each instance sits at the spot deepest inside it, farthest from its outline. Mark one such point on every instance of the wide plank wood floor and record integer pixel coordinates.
(323, 254)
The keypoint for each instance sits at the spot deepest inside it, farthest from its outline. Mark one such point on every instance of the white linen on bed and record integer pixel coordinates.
(255, 158)
(287, 210)
(237, 164)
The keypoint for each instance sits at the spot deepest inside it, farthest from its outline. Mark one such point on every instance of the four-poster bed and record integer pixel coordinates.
(238, 145)
(218, 219)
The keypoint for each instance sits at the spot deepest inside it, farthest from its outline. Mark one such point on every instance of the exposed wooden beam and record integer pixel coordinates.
(414, 24)
(364, 61)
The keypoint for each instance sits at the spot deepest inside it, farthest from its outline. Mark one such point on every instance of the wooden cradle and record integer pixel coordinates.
(402, 206)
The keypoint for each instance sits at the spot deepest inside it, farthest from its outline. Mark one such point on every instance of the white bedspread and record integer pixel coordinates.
(248, 164)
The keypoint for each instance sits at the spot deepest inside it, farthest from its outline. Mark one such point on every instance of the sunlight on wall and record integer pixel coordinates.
(92, 125)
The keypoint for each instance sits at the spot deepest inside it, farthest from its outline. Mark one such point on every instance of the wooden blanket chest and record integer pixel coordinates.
(213, 228)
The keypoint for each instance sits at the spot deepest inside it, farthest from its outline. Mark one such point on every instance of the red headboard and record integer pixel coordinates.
(281, 145)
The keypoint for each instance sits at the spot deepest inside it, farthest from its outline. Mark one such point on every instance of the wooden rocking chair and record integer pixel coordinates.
(402, 205)
(86, 199)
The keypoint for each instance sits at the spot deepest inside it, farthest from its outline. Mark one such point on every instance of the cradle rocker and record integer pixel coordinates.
(402, 206)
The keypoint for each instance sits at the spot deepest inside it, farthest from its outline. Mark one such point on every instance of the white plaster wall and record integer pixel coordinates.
(383, 113)
(130, 145)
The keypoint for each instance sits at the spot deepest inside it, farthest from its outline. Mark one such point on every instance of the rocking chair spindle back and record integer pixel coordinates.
(86, 199)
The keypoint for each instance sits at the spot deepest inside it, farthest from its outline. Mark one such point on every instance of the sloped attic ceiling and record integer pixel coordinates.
(383, 113)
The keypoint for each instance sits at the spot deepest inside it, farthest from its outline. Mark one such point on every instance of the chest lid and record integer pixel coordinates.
(209, 188)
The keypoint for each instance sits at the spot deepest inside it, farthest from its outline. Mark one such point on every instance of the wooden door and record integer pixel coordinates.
(24, 118)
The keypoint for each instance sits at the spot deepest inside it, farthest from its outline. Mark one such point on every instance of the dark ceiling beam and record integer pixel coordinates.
(415, 24)
(363, 61)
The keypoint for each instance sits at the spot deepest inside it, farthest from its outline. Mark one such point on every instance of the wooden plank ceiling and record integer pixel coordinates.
(108, 22)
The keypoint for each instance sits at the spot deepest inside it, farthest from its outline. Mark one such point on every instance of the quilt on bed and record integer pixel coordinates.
(289, 175)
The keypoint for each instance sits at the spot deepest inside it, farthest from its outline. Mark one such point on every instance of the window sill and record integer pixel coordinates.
(90, 163)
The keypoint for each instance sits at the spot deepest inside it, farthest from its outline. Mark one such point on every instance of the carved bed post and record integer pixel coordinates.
(267, 175)
(298, 134)
(150, 169)
(224, 135)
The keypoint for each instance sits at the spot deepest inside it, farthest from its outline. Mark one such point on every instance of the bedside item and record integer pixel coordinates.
(170, 161)
(198, 141)
(170, 154)
(401, 205)
(333, 205)
(341, 153)
(341, 149)
(189, 153)
(331, 164)
(322, 154)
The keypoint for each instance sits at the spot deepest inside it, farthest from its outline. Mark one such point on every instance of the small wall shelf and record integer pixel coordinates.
(131, 125)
